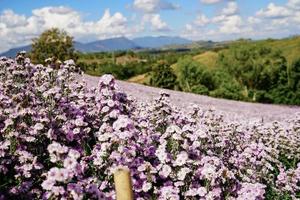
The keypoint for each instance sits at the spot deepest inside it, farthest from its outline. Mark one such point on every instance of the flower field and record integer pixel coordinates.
(59, 139)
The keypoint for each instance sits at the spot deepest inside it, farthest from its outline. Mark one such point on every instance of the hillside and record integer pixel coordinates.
(160, 41)
(266, 71)
(290, 47)
(208, 58)
(237, 110)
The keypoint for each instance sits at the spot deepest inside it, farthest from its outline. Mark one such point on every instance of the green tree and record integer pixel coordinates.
(295, 75)
(226, 86)
(194, 77)
(163, 76)
(257, 67)
(55, 44)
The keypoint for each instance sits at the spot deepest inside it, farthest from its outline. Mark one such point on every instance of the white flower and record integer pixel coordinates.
(48, 184)
(182, 173)
(176, 136)
(62, 175)
(161, 155)
(208, 171)
(8, 122)
(105, 109)
(181, 159)
(142, 168)
(79, 122)
(201, 191)
(121, 122)
(105, 92)
(201, 134)
(191, 192)
(114, 114)
(123, 135)
(76, 131)
(106, 79)
(196, 144)
(48, 60)
(70, 163)
(69, 62)
(146, 186)
(165, 171)
(73, 154)
(110, 103)
(52, 173)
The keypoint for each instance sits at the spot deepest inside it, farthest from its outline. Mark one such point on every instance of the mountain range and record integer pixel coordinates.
(114, 44)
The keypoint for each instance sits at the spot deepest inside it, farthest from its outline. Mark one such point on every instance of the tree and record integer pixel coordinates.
(163, 77)
(295, 75)
(55, 44)
(194, 77)
(257, 67)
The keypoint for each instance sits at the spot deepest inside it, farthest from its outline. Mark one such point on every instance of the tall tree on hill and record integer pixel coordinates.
(55, 44)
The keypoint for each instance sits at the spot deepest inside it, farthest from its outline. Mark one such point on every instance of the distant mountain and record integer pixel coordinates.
(13, 52)
(114, 44)
(160, 41)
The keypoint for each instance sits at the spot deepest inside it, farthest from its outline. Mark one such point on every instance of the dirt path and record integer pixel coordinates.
(236, 109)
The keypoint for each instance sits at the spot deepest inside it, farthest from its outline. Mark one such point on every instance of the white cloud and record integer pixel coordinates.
(224, 25)
(60, 17)
(230, 9)
(19, 30)
(294, 4)
(272, 21)
(274, 11)
(228, 20)
(157, 24)
(201, 20)
(285, 18)
(296, 18)
(151, 6)
(109, 25)
(232, 24)
(10, 19)
(210, 1)
(253, 20)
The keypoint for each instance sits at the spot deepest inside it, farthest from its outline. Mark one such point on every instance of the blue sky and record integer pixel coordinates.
(88, 20)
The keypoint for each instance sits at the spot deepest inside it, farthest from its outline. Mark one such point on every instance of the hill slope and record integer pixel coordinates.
(239, 110)
(161, 41)
(13, 52)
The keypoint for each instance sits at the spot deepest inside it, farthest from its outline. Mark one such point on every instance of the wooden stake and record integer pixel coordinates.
(123, 184)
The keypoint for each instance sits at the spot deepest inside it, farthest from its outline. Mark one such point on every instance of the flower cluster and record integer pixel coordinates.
(60, 139)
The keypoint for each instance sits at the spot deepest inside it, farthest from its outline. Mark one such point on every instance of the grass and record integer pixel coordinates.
(122, 60)
(208, 58)
(290, 47)
(141, 79)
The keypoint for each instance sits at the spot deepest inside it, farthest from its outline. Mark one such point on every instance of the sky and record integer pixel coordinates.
(89, 20)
